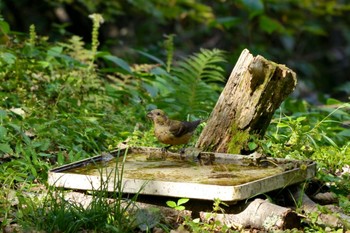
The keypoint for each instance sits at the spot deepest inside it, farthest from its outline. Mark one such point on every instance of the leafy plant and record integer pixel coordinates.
(217, 206)
(178, 205)
(307, 135)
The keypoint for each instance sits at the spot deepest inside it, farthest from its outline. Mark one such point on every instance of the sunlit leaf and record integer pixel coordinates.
(171, 204)
(180, 208)
(182, 201)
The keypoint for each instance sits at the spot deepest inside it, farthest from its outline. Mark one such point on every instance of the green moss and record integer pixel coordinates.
(226, 167)
(238, 140)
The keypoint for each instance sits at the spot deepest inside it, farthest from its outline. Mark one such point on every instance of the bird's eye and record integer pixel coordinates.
(158, 113)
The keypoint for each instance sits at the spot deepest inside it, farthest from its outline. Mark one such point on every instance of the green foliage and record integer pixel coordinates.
(217, 206)
(54, 110)
(195, 225)
(147, 219)
(308, 134)
(317, 133)
(177, 205)
(55, 213)
(192, 86)
(62, 102)
(279, 30)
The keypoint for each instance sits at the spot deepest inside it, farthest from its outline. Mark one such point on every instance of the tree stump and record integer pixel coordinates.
(254, 90)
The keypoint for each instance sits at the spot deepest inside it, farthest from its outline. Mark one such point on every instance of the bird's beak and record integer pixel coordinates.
(150, 115)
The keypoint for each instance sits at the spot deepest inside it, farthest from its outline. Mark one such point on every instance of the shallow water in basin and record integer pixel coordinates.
(226, 172)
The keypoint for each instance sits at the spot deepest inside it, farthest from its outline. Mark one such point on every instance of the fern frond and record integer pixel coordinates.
(195, 82)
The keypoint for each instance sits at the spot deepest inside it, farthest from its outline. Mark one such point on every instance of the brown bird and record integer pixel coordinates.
(171, 132)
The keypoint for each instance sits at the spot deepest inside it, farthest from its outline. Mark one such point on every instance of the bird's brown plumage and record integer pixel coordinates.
(171, 132)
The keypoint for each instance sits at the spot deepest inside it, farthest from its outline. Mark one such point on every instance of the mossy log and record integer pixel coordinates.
(254, 90)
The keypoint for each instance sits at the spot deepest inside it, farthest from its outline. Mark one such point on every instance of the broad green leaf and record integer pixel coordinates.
(44, 64)
(152, 57)
(282, 125)
(3, 132)
(3, 114)
(8, 58)
(119, 62)
(252, 145)
(331, 101)
(180, 207)
(171, 204)
(196, 220)
(4, 26)
(329, 140)
(182, 201)
(55, 51)
(148, 218)
(4, 147)
(345, 133)
(300, 119)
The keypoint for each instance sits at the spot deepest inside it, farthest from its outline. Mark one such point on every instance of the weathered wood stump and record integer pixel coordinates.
(255, 89)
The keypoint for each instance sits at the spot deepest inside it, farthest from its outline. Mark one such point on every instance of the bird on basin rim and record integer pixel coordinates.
(171, 132)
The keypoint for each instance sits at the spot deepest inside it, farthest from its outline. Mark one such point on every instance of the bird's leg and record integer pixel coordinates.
(165, 149)
(182, 150)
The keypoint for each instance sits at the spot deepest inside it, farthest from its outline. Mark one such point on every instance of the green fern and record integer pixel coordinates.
(193, 85)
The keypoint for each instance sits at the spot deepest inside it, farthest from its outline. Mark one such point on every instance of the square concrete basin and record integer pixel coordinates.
(195, 175)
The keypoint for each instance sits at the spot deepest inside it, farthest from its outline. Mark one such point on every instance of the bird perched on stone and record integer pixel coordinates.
(171, 132)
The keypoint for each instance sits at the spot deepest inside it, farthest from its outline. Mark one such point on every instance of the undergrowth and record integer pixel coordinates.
(105, 212)
(63, 101)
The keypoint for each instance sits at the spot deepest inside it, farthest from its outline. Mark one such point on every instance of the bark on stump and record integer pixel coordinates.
(255, 89)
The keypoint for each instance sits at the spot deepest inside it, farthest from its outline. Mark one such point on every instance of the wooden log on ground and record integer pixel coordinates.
(255, 89)
(259, 214)
(334, 219)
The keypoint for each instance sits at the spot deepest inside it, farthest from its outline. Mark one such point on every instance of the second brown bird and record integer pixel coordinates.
(171, 132)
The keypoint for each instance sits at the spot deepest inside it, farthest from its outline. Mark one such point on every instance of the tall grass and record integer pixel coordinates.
(106, 212)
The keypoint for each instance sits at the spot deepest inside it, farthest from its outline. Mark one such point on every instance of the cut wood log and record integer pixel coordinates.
(254, 90)
(259, 214)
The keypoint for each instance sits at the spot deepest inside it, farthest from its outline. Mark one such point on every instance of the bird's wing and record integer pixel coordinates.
(180, 128)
